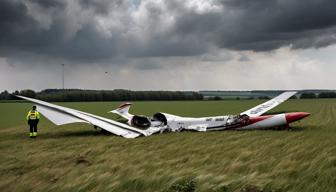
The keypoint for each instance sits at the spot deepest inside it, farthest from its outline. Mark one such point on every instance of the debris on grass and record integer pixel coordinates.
(82, 158)
(186, 185)
(251, 188)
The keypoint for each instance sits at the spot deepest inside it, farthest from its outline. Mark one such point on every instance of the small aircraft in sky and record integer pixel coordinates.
(163, 122)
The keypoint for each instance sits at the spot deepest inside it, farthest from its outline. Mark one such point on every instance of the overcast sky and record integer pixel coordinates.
(168, 45)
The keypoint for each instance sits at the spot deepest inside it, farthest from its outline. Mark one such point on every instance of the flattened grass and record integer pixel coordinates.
(76, 158)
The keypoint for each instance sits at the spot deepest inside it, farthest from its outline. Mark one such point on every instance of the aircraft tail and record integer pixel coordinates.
(122, 111)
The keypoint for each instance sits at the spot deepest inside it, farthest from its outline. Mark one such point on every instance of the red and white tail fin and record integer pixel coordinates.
(122, 111)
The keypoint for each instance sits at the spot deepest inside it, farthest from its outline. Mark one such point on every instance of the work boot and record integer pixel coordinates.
(31, 135)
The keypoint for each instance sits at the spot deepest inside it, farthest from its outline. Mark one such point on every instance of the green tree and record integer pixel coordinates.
(308, 96)
(327, 95)
(28, 93)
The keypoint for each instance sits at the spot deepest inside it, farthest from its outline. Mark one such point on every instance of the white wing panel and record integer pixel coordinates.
(57, 117)
(268, 105)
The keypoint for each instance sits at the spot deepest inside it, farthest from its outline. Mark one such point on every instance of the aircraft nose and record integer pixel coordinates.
(291, 117)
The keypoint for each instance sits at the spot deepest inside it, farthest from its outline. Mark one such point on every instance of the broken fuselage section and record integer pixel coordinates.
(163, 122)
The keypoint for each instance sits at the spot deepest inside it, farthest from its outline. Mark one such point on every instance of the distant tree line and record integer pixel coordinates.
(127, 95)
(312, 95)
(102, 95)
(327, 95)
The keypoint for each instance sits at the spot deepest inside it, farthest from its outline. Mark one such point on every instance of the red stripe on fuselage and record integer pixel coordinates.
(253, 120)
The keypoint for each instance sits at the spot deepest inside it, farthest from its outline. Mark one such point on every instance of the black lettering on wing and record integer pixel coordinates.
(262, 107)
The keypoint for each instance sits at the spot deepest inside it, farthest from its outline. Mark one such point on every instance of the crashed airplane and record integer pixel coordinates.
(163, 122)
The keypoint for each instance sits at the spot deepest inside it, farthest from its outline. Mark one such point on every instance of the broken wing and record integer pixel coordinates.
(62, 115)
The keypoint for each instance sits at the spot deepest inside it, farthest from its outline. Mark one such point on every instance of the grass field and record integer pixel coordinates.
(76, 158)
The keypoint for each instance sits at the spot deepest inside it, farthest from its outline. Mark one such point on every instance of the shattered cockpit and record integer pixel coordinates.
(144, 122)
(234, 121)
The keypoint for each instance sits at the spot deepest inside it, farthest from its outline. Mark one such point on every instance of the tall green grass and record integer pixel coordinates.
(76, 158)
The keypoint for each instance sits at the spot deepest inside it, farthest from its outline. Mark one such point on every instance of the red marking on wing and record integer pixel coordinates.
(124, 105)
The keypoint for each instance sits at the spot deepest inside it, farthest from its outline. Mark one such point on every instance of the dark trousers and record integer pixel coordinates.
(33, 125)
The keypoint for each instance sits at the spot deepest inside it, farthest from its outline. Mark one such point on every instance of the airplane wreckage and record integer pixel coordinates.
(164, 122)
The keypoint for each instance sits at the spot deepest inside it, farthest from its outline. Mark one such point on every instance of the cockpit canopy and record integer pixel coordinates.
(234, 121)
(160, 117)
(140, 121)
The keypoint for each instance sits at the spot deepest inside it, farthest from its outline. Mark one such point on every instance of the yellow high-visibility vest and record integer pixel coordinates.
(33, 115)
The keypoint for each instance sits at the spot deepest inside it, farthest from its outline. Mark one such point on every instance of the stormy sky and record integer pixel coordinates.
(168, 45)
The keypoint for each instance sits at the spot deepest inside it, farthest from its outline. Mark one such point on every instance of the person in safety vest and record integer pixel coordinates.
(33, 118)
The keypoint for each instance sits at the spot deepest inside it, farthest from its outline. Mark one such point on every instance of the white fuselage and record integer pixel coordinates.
(216, 123)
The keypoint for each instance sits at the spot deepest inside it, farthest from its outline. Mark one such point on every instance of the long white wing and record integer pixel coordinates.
(57, 117)
(268, 105)
(63, 115)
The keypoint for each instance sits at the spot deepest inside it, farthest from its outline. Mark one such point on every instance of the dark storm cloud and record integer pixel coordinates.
(100, 6)
(264, 25)
(14, 21)
(19, 30)
(72, 30)
(271, 24)
(66, 35)
(50, 3)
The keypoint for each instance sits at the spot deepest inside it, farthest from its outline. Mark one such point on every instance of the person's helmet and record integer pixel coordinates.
(34, 107)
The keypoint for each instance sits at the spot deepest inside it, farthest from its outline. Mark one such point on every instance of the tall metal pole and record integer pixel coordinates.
(62, 76)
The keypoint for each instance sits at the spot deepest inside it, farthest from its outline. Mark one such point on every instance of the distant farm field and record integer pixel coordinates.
(76, 158)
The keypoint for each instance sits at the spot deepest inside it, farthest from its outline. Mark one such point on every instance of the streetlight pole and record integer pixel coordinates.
(62, 76)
